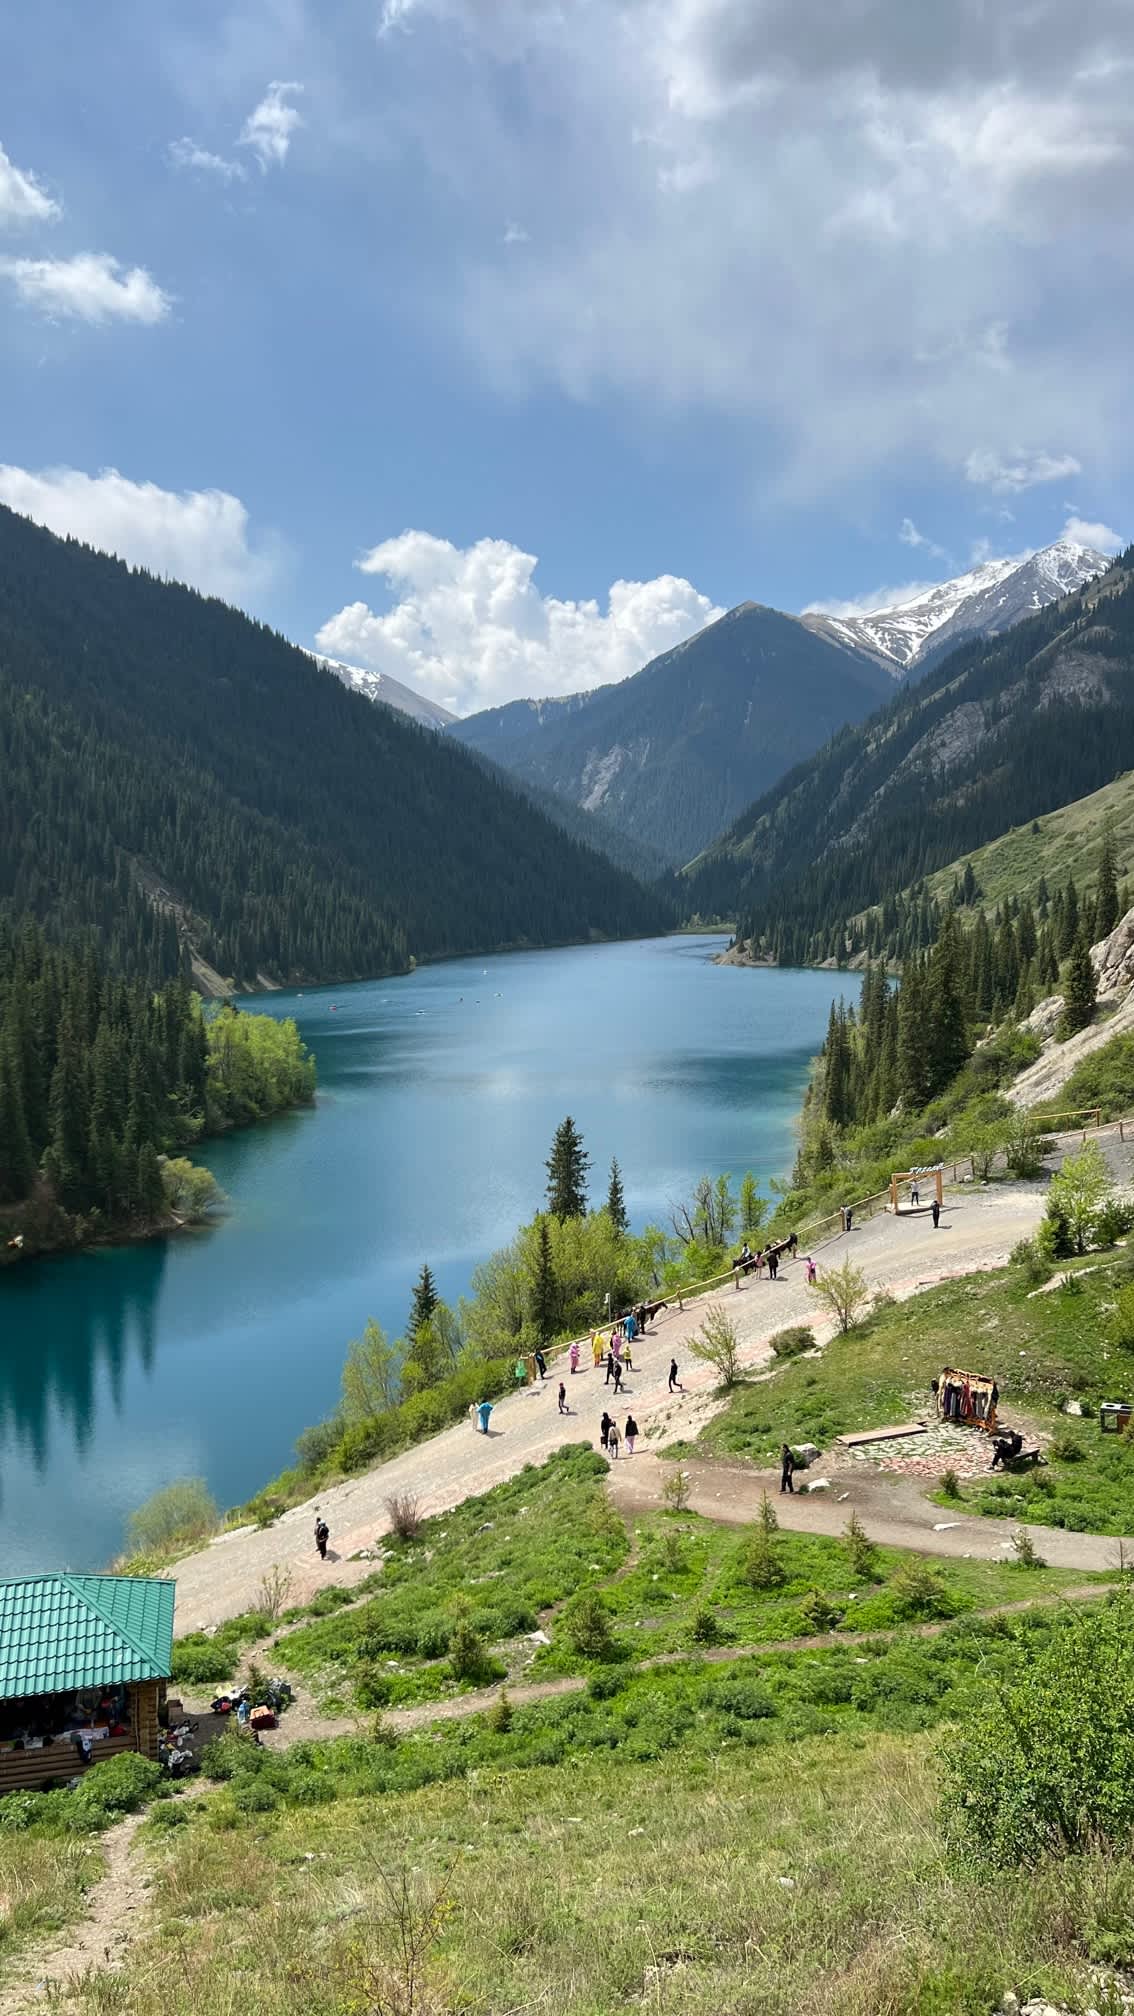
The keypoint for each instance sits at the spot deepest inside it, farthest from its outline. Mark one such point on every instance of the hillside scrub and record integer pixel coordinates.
(1043, 1348)
(780, 1813)
(1104, 1079)
(1061, 1725)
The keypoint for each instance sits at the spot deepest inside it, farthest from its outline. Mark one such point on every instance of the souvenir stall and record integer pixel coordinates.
(970, 1399)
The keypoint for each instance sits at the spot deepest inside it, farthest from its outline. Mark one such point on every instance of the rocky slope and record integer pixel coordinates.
(1113, 961)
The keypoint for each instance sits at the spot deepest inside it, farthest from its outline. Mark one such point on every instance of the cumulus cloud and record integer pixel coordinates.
(268, 129)
(91, 287)
(23, 200)
(1090, 532)
(197, 536)
(840, 217)
(1020, 471)
(186, 154)
(469, 627)
(910, 536)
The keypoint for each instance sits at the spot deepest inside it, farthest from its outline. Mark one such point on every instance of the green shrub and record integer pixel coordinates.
(789, 1343)
(177, 1516)
(748, 1699)
(121, 1785)
(585, 1625)
(950, 1484)
(703, 1626)
(817, 1612)
(469, 1658)
(1059, 1723)
(1065, 1449)
(919, 1590)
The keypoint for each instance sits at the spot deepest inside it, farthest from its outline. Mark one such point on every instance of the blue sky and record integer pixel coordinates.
(496, 343)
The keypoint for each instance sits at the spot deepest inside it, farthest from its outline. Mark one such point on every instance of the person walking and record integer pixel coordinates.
(563, 1407)
(773, 1262)
(483, 1410)
(674, 1382)
(787, 1466)
(573, 1355)
(597, 1347)
(627, 1358)
(605, 1426)
(322, 1535)
(935, 1211)
(611, 1366)
(631, 1434)
(612, 1441)
(812, 1272)
(540, 1364)
(617, 1377)
(915, 1197)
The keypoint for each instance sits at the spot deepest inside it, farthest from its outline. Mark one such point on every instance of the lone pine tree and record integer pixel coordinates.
(567, 1167)
(615, 1201)
(424, 1301)
(1080, 989)
(544, 1296)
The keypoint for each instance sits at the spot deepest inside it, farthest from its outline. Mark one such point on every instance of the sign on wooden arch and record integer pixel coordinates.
(931, 1181)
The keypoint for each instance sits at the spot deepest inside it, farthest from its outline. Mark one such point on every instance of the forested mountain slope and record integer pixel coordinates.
(672, 754)
(167, 764)
(1000, 732)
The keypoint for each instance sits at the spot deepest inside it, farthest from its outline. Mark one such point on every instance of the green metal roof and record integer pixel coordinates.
(61, 1632)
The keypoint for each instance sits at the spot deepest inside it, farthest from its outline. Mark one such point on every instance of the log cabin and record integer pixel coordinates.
(84, 1665)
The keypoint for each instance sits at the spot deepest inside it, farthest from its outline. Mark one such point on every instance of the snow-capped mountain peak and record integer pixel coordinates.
(379, 686)
(987, 599)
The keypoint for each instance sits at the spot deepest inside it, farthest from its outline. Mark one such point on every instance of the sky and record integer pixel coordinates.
(498, 345)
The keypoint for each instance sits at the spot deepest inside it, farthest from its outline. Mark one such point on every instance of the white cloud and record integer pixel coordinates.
(186, 154)
(91, 287)
(469, 627)
(514, 234)
(1020, 471)
(839, 218)
(910, 536)
(1089, 532)
(198, 536)
(866, 605)
(268, 129)
(23, 200)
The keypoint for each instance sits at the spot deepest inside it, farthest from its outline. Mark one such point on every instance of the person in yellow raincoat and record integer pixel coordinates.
(598, 1347)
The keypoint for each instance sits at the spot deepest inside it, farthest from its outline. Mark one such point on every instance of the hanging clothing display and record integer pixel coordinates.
(969, 1398)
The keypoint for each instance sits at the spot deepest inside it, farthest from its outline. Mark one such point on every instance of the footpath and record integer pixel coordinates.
(978, 1231)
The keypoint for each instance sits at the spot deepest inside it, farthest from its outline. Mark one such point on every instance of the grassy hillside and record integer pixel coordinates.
(727, 1832)
(1067, 843)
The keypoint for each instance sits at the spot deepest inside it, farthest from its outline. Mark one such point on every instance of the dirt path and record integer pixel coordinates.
(892, 1509)
(99, 1941)
(427, 1712)
(978, 1231)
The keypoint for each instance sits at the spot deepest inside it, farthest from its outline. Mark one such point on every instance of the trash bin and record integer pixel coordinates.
(1114, 1416)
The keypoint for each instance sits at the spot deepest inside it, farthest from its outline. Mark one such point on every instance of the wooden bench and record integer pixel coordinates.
(1027, 1459)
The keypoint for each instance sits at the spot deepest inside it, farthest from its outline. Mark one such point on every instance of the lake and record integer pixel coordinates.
(439, 1093)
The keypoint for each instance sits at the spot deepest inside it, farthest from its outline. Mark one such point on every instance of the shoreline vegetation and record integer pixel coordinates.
(105, 1083)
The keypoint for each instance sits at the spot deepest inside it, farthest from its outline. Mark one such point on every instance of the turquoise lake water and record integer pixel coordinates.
(439, 1093)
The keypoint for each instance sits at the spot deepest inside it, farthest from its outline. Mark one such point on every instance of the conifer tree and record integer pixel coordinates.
(914, 1071)
(1079, 989)
(544, 1294)
(567, 1167)
(1106, 889)
(17, 1162)
(424, 1301)
(946, 1009)
(1067, 925)
(615, 1201)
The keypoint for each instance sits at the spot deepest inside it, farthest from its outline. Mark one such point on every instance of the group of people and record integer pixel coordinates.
(748, 1262)
(610, 1439)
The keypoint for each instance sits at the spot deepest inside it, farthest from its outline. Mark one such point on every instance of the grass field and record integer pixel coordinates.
(753, 1882)
(1042, 1348)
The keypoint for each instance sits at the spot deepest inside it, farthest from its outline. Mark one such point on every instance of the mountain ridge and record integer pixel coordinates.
(153, 739)
(1000, 731)
(674, 753)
